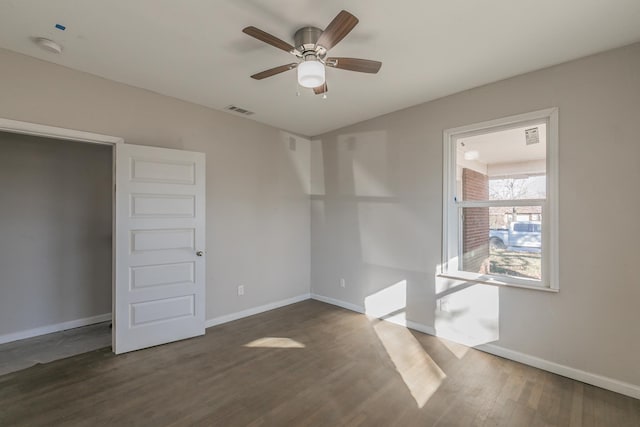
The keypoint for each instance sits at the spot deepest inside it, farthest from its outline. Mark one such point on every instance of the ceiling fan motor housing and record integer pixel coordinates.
(305, 40)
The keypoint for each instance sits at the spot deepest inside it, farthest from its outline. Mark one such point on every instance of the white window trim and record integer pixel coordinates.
(550, 254)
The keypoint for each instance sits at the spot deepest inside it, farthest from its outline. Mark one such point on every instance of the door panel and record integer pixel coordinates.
(160, 228)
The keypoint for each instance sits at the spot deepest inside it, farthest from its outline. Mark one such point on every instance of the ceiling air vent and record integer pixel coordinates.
(531, 136)
(238, 110)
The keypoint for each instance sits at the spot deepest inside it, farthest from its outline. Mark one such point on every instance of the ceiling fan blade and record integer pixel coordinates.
(341, 25)
(273, 71)
(355, 64)
(268, 38)
(321, 89)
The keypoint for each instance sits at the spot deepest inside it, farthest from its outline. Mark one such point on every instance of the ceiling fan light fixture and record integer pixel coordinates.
(311, 73)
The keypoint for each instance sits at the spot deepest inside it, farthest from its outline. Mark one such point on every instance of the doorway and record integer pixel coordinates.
(55, 248)
(157, 237)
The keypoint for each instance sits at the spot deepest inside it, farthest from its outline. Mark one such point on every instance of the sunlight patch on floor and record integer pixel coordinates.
(274, 342)
(458, 350)
(419, 372)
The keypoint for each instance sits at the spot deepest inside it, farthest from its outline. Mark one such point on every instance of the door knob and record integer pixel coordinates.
(200, 253)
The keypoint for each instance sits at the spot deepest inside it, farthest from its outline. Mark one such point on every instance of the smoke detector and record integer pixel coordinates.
(48, 45)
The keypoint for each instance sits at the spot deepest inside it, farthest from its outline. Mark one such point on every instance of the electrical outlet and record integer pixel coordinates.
(343, 284)
(444, 306)
(240, 290)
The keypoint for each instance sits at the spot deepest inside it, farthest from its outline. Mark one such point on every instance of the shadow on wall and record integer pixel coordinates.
(376, 240)
(298, 151)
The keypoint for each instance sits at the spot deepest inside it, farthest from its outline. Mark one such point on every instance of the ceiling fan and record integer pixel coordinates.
(311, 47)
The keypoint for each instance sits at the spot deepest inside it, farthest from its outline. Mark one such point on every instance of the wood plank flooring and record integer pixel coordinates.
(308, 364)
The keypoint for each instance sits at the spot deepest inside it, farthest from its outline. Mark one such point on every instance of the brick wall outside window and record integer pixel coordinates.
(475, 240)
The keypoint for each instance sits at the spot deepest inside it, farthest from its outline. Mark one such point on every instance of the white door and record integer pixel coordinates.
(159, 246)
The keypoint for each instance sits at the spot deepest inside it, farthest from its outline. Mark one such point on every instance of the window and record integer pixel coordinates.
(500, 201)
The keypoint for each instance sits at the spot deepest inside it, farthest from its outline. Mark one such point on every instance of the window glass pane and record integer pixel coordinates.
(502, 165)
(518, 188)
(502, 241)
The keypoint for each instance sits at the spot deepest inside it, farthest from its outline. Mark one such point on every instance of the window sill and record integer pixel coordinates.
(484, 280)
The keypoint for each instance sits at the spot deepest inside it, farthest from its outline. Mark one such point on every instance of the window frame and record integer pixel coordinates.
(451, 228)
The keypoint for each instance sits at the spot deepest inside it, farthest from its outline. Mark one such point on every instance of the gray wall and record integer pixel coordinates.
(377, 204)
(55, 228)
(257, 189)
(377, 211)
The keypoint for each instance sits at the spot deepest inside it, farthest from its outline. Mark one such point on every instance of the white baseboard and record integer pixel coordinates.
(255, 310)
(359, 309)
(421, 328)
(607, 383)
(339, 303)
(621, 387)
(43, 330)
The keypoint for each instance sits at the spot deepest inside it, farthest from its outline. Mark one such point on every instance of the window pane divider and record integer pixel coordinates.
(499, 203)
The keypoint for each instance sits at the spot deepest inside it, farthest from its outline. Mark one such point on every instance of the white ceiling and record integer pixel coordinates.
(195, 49)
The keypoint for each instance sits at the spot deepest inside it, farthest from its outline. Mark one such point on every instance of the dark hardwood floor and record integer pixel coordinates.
(308, 364)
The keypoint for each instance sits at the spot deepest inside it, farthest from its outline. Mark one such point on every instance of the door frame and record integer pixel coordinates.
(45, 131)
